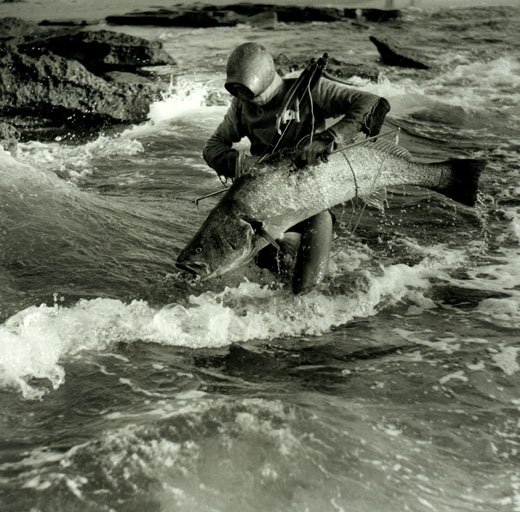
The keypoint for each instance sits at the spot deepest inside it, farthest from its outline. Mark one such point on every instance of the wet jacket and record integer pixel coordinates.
(360, 111)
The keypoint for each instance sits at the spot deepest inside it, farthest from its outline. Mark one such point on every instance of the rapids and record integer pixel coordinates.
(393, 386)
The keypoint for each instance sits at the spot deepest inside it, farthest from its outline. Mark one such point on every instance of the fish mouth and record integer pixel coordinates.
(194, 268)
(204, 272)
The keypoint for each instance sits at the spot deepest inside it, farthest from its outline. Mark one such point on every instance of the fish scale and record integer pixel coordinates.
(261, 206)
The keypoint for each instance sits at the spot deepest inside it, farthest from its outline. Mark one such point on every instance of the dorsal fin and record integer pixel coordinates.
(392, 149)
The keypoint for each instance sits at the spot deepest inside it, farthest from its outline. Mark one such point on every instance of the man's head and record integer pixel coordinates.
(251, 74)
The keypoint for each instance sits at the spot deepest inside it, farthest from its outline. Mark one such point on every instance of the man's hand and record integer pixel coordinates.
(244, 164)
(316, 150)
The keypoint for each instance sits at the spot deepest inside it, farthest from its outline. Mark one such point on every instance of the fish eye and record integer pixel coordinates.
(198, 250)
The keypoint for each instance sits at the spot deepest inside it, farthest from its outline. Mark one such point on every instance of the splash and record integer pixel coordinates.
(178, 101)
(76, 161)
(183, 100)
(35, 342)
(479, 84)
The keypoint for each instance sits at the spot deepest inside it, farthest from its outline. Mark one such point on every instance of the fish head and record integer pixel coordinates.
(224, 242)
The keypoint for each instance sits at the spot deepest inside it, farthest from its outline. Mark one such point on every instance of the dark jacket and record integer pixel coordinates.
(359, 111)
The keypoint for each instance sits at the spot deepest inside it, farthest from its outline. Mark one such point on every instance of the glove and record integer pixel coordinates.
(316, 150)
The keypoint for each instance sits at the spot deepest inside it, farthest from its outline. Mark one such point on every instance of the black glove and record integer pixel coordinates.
(316, 150)
(244, 164)
(375, 118)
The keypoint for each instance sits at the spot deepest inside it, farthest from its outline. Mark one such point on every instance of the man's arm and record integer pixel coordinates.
(362, 111)
(218, 152)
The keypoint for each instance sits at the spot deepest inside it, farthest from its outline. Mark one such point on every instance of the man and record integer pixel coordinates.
(259, 94)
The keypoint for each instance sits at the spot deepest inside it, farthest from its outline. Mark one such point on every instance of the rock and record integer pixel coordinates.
(124, 77)
(374, 15)
(64, 23)
(285, 64)
(232, 14)
(287, 14)
(11, 27)
(101, 51)
(203, 19)
(9, 137)
(346, 70)
(336, 67)
(380, 15)
(391, 55)
(296, 14)
(164, 18)
(264, 20)
(44, 93)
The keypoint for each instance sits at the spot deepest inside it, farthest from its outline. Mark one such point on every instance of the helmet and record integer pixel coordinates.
(250, 71)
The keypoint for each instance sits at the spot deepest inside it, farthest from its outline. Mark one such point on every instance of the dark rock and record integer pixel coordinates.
(101, 51)
(9, 137)
(287, 14)
(336, 67)
(380, 15)
(11, 27)
(245, 9)
(124, 77)
(296, 14)
(346, 70)
(64, 23)
(227, 15)
(48, 92)
(231, 14)
(285, 64)
(200, 19)
(374, 15)
(265, 20)
(391, 55)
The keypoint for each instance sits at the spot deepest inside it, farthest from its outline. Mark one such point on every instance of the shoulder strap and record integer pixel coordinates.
(295, 96)
(294, 99)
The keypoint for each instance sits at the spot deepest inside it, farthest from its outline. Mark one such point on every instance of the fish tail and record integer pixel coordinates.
(463, 185)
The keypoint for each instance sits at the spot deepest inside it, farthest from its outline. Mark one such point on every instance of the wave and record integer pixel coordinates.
(184, 100)
(56, 236)
(36, 342)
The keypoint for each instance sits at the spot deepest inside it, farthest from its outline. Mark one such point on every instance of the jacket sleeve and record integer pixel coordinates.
(218, 152)
(362, 111)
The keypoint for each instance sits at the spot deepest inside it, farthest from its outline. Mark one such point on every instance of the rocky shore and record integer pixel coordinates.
(233, 14)
(60, 79)
(68, 82)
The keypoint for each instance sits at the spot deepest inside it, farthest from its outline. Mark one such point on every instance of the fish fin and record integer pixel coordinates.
(258, 227)
(392, 149)
(377, 199)
(465, 175)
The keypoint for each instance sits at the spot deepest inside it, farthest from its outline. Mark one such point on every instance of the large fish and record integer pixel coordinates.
(261, 206)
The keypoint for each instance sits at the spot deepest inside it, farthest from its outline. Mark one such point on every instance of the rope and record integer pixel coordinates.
(371, 189)
(311, 102)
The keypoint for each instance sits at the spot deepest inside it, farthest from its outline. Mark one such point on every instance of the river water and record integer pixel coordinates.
(394, 386)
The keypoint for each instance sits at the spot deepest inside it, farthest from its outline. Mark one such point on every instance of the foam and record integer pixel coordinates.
(182, 100)
(178, 101)
(512, 233)
(37, 341)
(470, 86)
(507, 359)
(477, 84)
(75, 162)
(502, 312)
(128, 457)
